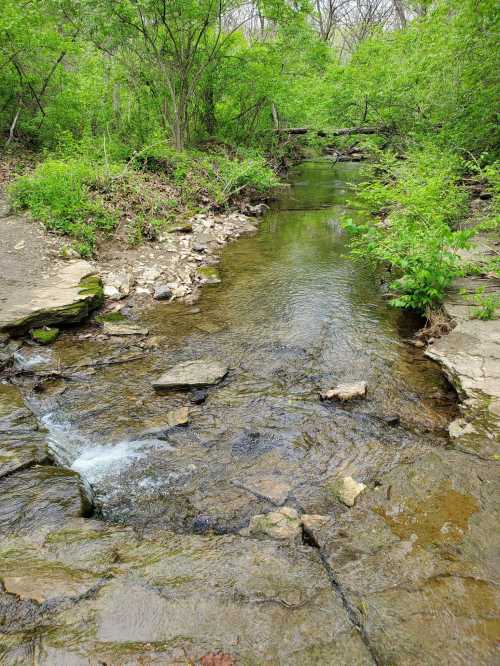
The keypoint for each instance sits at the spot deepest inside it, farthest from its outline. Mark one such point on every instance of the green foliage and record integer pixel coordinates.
(62, 194)
(213, 177)
(45, 335)
(85, 198)
(421, 201)
(487, 304)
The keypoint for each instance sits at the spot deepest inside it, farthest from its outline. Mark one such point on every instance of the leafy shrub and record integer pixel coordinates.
(210, 178)
(59, 193)
(421, 201)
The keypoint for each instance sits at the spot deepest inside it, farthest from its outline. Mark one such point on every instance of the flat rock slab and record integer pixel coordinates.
(112, 328)
(22, 443)
(470, 357)
(191, 374)
(177, 599)
(67, 295)
(417, 557)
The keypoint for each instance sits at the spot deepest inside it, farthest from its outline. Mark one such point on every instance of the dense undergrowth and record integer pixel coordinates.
(434, 85)
(156, 188)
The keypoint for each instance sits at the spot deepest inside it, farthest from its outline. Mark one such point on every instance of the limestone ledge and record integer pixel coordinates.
(68, 296)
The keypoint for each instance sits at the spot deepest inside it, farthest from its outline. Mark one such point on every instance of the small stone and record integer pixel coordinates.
(178, 417)
(153, 342)
(345, 392)
(162, 292)
(459, 428)
(283, 524)
(347, 490)
(45, 335)
(391, 420)
(118, 285)
(161, 425)
(418, 343)
(112, 292)
(112, 328)
(180, 227)
(151, 274)
(198, 397)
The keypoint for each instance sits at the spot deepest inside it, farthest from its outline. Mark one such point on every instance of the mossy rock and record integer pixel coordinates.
(67, 298)
(209, 275)
(92, 286)
(45, 335)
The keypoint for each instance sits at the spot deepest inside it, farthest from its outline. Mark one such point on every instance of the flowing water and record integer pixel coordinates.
(293, 315)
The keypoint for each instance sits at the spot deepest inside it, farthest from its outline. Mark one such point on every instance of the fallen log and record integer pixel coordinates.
(343, 131)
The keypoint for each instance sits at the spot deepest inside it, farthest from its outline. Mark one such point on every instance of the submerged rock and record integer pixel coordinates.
(209, 275)
(198, 397)
(345, 392)
(202, 372)
(183, 599)
(117, 328)
(347, 489)
(273, 489)
(161, 425)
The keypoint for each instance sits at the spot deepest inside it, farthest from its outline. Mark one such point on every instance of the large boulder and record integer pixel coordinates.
(67, 296)
(202, 372)
(40, 495)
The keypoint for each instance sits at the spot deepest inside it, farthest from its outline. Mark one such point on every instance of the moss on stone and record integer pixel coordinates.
(44, 336)
(92, 286)
(209, 274)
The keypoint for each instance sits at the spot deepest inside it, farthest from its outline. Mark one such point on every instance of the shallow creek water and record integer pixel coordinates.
(293, 315)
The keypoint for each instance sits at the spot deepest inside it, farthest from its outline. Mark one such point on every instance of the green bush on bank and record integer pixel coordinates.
(213, 176)
(60, 194)
(84, 198)
(421, 200)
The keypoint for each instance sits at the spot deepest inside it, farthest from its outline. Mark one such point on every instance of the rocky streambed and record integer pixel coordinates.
(247, 521)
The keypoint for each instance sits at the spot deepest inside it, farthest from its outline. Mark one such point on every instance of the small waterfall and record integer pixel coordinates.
(28, 362)
(91, 460)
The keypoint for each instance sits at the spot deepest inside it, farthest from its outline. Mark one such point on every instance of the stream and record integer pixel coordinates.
(292, 316)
